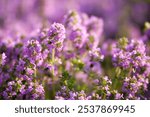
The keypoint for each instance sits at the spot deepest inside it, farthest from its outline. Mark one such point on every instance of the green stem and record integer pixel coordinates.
(53, 76)
(35, 73)
(53, 61)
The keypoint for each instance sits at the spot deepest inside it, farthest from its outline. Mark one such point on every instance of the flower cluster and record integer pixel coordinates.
(132, 64)
(22, 88)
(55, 37)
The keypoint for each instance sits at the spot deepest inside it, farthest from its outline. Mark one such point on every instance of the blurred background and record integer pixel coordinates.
(121, 17)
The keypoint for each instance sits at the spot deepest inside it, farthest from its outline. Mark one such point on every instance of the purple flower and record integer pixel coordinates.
(20, 88)
(55, 37)
(96, 54)
(132, 55)
(76, 31)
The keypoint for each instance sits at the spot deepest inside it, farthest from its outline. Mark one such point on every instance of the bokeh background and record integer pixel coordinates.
(121, 17)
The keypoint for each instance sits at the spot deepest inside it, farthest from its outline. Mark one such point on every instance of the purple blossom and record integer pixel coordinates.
(96, 54)
(55, 37)
(133, 55)
(23, 89)
(76, 31)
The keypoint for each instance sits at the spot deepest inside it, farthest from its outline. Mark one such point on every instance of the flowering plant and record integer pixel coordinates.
(73, 60)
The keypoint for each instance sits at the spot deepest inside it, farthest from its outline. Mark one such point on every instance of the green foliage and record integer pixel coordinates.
(78, 64)
(122, 43)
(67, 80)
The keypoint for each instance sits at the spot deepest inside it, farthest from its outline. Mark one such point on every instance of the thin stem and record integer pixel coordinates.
(53, 61)
(53, 76)
(35, 73)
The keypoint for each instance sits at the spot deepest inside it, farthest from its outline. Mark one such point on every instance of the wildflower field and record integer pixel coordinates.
(74, 49)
